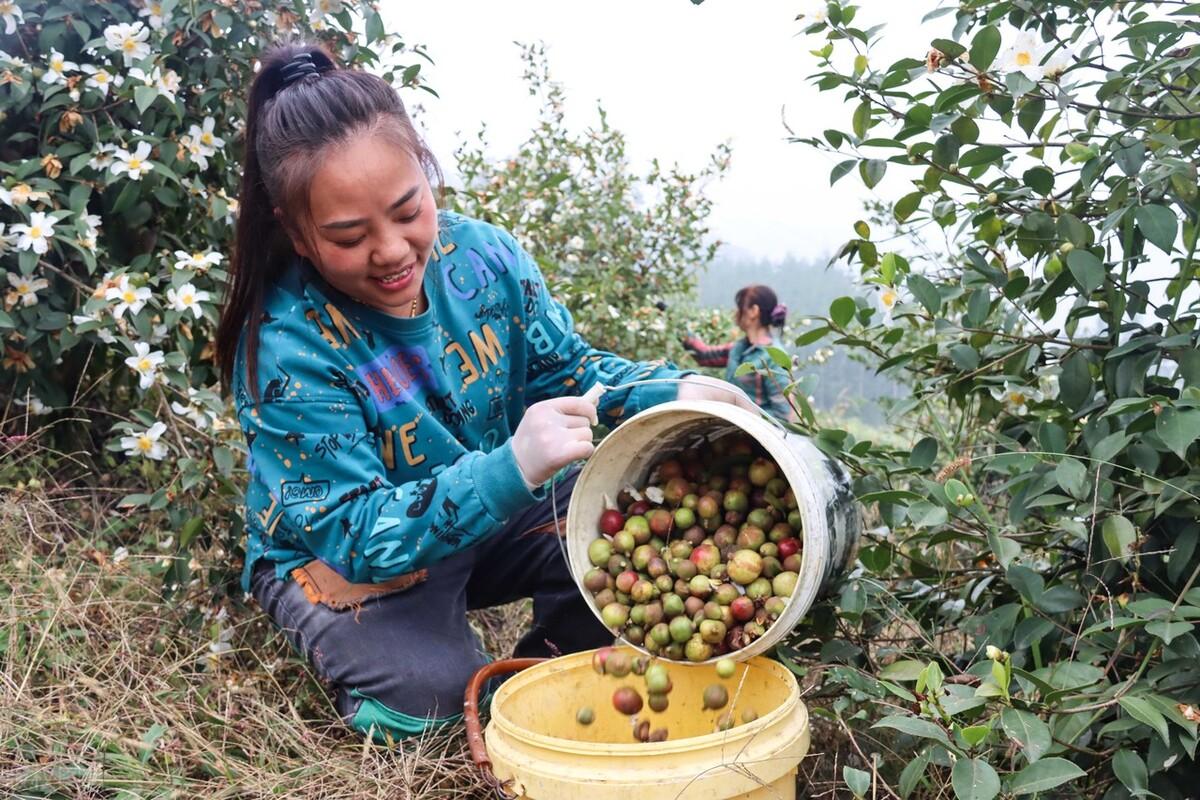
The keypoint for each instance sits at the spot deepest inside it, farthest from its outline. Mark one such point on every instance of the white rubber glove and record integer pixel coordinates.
(552, 434)
(702, 387)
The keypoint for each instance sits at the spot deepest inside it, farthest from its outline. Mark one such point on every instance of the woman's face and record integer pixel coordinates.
(746, 318)
(373, 223)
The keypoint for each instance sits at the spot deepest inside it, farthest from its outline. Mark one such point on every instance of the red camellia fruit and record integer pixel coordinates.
(638, 507)
(627, 700)
(611, 521)
(742, 608)
(789, 546)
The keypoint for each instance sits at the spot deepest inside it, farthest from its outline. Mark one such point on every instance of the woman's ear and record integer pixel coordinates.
(298, 242)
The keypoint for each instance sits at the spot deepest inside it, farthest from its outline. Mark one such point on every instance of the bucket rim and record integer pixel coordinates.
(738, 733)
(772, 436)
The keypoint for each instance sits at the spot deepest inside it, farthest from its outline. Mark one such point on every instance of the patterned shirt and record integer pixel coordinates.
(380, 444)
(766, 390)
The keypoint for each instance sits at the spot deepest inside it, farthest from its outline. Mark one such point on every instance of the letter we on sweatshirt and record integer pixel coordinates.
(380, 444)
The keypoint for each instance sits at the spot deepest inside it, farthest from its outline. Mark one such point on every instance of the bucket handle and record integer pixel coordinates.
(471, 715)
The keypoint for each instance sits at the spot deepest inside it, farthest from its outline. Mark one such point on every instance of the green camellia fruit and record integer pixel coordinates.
(784, 584)
(681, 629)
(585, 716)
(697, 650)
(725, 668)
(759, 589)
(658, 680)
(599, 551)
(614, 615)
(619, 664)
(712, 631)
(745, 566)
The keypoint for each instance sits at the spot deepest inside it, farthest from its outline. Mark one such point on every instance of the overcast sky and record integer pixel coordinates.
(677, 79)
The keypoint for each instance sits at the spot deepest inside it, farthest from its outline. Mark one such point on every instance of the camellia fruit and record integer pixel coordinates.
(627, 700)
(611, 521)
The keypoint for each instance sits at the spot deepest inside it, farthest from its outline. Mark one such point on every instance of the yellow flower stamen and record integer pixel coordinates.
(1016, 398)
(144, 365)
(1024, 58)
(135, 163)
(188, 299)
(129, 45)
(128, 296)
(145, 443)
(35, 232)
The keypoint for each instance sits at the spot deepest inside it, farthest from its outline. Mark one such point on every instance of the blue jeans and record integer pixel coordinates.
(400, 663)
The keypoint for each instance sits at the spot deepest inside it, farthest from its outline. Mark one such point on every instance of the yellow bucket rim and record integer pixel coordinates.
(738, 733)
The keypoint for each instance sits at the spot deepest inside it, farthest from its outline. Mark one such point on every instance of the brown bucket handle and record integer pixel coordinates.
(471, 715)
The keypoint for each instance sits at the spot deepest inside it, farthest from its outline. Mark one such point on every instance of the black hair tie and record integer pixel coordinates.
(299, 67)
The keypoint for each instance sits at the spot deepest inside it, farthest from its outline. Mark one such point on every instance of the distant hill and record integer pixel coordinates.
(807, 286)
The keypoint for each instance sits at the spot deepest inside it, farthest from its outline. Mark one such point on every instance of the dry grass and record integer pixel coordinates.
(106, 691)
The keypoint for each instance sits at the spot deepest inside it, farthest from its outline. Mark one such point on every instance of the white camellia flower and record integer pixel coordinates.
(36, 235)
(35, 405)
(888, 297)
(127, 296)
(26, 288)
(145, 363)
(12, 15)
(1025, 56)
(129, 40)
(196, 153)
(146, 443)
(187, 298)
(104, 334)
(153, 11)
(100, 79)
(135, 164)
(196, 261)
(1016, 399)
(102, 159)
(1057, 64)
(91, 230)
(166, 83)
(56, 65)
(194, 411)
(21, 194)
(813, 11)
(206, 137)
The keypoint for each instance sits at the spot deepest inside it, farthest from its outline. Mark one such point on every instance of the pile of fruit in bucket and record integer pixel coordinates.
(701, 560)
(628, 700)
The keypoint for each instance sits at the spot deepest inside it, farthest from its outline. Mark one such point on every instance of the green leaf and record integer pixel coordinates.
(1030, 114)
(1043, 775)
(951, 48)
(857, 780)
(927, 515)
(1119, 536)
(1141, 710)
(1168, 631)
(984, 48)
(915, 726)
(1071, 475)
(1040, 179)
(924, 452)
(841, 311)
(945, 150)
(1178, 428)
(907, 205)
(1075, 382)
(974, 779)
(925, 292)
(1087, 270)
(839, 171)
(190, 528)
(1158, 224)
(144, 97)
(913, 773)
(871, 171)
(861, 121)
(975, 734)
(905, 670)
(375, 29)
(1131, 771)
(984, 154)
(1028, 731)
(780, 357)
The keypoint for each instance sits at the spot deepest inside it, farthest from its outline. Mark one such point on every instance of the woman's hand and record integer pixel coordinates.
(552, 434)
(702, 387)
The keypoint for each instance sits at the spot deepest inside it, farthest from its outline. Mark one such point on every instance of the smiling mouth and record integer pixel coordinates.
(394, 277)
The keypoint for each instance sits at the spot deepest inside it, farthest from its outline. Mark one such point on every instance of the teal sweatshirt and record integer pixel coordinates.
(381, 444)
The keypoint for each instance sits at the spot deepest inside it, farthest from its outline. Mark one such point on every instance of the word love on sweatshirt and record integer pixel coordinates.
(380, 444)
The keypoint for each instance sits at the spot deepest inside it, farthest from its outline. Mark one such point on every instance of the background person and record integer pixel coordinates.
(757, 311)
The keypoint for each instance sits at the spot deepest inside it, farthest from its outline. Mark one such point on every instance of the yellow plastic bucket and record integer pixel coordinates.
(535, 743)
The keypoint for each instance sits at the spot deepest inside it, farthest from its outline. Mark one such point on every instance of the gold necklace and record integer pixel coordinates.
(413, 311)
